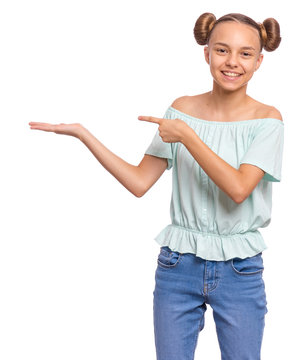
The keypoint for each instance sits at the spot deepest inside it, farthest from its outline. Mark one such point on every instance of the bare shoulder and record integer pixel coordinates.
(189, 103)
(267, 111)
(181, 103)
(274, 113)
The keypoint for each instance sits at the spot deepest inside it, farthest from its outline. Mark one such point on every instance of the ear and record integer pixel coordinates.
(207, 54)
(259, 61)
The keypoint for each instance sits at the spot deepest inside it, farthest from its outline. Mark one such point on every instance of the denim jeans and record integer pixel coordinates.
(235, 290)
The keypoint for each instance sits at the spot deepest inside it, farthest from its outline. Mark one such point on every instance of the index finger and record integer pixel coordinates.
(150, 119)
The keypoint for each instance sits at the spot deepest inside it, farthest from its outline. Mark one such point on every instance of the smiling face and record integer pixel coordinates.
(233, 53)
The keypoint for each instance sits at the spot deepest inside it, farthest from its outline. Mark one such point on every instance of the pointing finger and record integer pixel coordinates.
(150, 119)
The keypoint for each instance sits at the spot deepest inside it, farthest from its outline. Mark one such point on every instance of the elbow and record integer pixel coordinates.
(238, 199)
(240, 196)
(139, 192)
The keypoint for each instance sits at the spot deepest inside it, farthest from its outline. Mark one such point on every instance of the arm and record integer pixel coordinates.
(226, 177)
(137, 179)
(236, 183)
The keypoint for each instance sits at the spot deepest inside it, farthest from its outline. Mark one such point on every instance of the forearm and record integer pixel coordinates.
(127, 174)
(225, 176)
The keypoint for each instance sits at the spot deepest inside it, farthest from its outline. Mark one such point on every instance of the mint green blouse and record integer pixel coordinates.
(204, 220)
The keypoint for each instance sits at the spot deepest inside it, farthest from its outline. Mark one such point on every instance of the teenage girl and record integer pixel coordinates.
(225, 150)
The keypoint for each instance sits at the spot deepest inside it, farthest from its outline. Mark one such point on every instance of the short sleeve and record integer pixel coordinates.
(160, 148)
(266, 149)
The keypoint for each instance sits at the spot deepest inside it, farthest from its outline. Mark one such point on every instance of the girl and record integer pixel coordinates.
(225, 149)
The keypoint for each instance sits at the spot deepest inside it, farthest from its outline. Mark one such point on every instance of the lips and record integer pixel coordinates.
(231, 73)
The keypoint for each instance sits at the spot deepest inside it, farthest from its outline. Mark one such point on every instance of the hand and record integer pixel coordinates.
(65, 129)
(171, 130)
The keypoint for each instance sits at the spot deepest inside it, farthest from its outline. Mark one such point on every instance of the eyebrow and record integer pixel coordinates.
(243, 47)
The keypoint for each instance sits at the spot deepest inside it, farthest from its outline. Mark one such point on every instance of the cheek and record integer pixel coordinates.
(215, 65)
(249, 71)
(216, 60)
(250, 67)
(212, 62)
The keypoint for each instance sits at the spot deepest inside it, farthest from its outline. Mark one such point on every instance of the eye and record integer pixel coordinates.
(221, 50)
(246, 54)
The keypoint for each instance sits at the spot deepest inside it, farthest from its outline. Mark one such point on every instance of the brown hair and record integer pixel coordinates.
(269, 30)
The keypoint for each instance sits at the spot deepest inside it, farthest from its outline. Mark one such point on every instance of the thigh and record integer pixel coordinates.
(239, 308)
(178, 307)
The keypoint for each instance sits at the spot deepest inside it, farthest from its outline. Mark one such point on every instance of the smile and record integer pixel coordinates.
(230, 74)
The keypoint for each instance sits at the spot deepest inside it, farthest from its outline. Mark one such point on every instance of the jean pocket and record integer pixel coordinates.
(248, 266)
(168, 258)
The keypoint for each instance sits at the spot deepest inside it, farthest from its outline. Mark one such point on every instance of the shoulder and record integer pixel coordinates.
(266, 111)
(274, 113)
(189, 103)
(181, 103)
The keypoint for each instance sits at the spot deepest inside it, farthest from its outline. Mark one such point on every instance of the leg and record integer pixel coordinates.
(239, 312)
(178, 309)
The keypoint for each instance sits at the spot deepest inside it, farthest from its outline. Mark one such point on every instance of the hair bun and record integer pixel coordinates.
(203, 26)
(271, 30)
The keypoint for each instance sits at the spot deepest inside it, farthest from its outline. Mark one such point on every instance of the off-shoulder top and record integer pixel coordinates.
(204, 220)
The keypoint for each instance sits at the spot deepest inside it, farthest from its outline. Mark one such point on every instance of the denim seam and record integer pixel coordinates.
(196, 337)
(216, 281)
(245, 273)
(204, 281)
(172, 265)
(206, 294)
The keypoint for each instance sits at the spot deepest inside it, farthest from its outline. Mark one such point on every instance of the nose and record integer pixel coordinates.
(232, 60)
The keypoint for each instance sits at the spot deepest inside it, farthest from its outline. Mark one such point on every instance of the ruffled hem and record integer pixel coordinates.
(211, 246)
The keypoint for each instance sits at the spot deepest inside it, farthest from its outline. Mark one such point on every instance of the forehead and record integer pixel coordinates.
(235, 34)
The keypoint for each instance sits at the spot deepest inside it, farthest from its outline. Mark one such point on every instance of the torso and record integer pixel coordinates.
(197, 106)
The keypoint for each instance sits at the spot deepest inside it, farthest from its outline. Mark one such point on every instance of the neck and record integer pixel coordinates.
(225, 103)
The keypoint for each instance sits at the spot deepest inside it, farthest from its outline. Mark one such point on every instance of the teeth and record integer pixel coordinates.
(230, 74)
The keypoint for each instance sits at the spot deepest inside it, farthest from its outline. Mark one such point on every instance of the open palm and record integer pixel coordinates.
(65, 129)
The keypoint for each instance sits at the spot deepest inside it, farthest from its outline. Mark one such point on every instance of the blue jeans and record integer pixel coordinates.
(185, 283)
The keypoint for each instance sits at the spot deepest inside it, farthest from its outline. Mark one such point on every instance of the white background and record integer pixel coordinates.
(77, 250)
